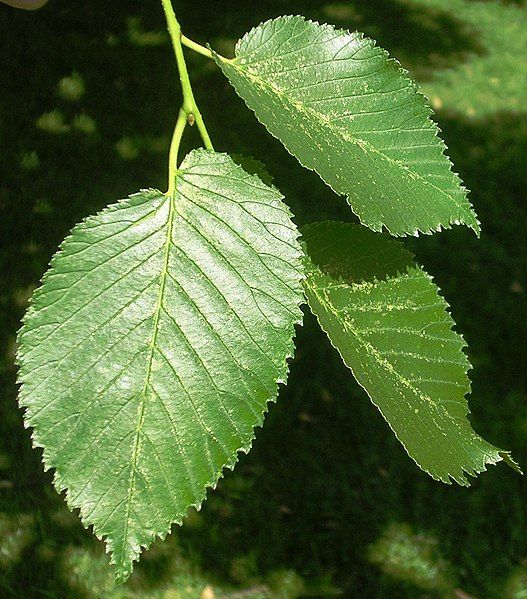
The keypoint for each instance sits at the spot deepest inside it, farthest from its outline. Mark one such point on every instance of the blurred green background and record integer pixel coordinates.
(327, 503)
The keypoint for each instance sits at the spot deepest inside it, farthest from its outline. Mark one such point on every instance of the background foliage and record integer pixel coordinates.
(327, 502)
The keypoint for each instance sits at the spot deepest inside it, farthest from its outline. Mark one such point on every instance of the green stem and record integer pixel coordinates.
(181, 123)
(190, 107)
(195, 46)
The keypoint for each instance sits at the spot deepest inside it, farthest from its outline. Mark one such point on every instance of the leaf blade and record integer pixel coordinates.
(364, 129)
(393, 331)
(153, 346)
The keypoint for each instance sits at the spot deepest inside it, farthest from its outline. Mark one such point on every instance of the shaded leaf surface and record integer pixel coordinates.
(385, 317)
(344, 109)
(158, 336)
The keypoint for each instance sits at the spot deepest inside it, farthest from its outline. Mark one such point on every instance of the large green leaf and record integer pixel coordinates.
(393, 330)
(344, 109)
(158, 336)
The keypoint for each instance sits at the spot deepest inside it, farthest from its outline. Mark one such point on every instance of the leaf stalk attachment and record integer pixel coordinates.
(196, 47)
(181, 123)
(189, 111)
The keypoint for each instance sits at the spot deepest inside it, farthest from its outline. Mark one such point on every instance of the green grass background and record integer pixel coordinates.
(327, 503)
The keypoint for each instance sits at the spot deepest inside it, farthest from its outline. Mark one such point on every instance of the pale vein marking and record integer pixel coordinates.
(155, 330)
(463, 205)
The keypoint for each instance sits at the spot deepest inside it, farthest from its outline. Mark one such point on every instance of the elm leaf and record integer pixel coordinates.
(154, 344)
(392, 329)
(345, 110)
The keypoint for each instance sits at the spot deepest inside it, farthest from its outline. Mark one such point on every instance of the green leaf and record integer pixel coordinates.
(385, 317)
(150, 351)
(344, 109)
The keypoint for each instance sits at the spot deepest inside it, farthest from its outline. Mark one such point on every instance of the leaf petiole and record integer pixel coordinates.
(196, 47)
(190, 110)
(181, 123)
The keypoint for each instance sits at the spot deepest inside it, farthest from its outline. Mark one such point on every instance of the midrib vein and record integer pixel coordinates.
(155, 329)
(380, 359)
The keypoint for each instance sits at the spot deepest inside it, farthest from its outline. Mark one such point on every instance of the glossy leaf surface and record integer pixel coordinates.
(344, 109)
(158, 336)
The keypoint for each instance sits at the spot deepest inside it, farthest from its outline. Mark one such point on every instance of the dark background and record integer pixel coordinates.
(327, 503)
